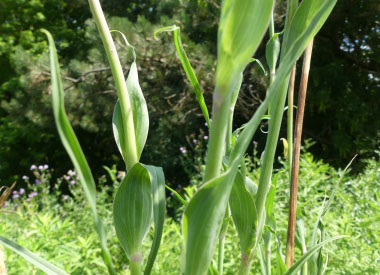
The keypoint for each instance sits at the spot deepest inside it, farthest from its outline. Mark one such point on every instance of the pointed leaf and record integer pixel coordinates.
(133, 209)
(139, 109)
(159, 204)
(32, 258)
(140, 116)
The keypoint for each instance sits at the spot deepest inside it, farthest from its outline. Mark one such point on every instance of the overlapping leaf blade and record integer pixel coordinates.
(32, 258)
(73, 149)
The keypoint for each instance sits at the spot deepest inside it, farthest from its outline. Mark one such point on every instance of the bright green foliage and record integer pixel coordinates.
(45, 266)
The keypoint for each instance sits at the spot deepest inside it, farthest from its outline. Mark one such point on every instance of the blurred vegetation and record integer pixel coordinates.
(56, 226)
(342, 112)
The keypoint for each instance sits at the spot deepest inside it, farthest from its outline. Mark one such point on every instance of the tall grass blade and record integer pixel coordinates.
(298, 264)
(32, 258)
(73, 149)
(187, 67)
(159, 204)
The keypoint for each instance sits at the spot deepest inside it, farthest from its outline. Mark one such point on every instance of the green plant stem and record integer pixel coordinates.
(135, 267)
(222, 238)
(245, 264)
(121, 87)
(218, 131)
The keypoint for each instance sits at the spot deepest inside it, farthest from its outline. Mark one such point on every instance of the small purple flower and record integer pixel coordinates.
(33, 167)
(33, 194)
(37, 181)
(205, 137)
(6, 204)
(14, 192)
(46, 166)
(195, 141)
(255, 142)
(25, 178)
(67, 177)
(73, 182)
(15, 196)
(41, 167)
(65, 197)
(22, 191)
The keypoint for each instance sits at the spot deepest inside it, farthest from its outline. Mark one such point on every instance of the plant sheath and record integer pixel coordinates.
(295, 163)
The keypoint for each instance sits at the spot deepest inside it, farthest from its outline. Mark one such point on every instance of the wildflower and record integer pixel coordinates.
(120, 175)
(183, 150)
(67, 177)
(65, 197)
(33, 194)
(41, 167)
(22, 191)
(195, 141)
(25, 178)
(33, 167)
(73, 182)
(205, 137)
(46, 166)
(15, 196)
(37, 181)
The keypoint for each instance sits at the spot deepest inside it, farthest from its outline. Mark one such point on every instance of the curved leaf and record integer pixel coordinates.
(187, 67)
(73, 149)
(32, 258)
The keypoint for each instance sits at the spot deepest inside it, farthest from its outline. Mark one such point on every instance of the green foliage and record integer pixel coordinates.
(57, 225)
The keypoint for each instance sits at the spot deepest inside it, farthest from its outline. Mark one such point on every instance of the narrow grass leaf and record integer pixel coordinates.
(32, 258)
(133, 210)
(243, 213)
(298, 264)
(159, 204)
(73, 149)
(187, 67)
